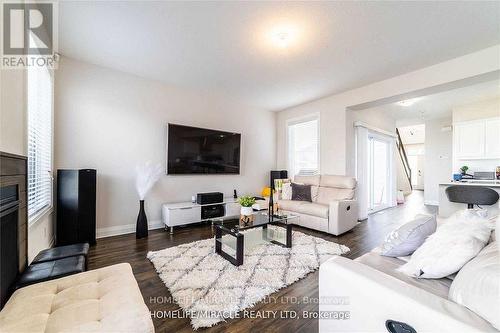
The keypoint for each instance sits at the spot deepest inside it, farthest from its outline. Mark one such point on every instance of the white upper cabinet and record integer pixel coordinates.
(477, 139)
(469, 139)
(492, 138)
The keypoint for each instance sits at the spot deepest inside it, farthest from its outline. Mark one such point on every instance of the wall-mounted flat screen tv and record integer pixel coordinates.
(193, 150)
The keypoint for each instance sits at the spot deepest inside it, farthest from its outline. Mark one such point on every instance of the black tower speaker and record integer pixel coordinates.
(277, 174)
(76, 206)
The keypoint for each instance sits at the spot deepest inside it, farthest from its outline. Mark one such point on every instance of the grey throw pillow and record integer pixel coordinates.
(407, 238)
(301, 192)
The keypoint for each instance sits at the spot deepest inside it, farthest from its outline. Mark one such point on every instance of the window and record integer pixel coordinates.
(379, 174)
(39, 103)
(303, 147)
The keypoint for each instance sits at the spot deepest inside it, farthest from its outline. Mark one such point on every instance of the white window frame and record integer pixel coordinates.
(389, 160)
(32, 219)
(295, 121)
(363, 130)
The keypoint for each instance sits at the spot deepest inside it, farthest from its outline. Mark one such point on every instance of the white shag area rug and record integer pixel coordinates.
(210, 289)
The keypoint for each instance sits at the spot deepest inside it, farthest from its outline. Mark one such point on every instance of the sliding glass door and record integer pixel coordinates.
(379, 172)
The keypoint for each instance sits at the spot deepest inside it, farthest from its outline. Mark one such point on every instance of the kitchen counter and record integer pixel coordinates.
(487, 183)
(447, 208)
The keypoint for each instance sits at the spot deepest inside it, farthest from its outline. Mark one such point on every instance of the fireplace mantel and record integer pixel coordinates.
(13, 174)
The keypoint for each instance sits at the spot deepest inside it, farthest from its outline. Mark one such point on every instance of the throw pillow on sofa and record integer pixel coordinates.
(477, 285)
(407, 238)
(301, 192)
(456, 241)
(286, 191)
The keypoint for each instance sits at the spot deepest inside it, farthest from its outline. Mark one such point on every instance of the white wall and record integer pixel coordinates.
(337, 150)
(402, 183)
(415, 149)
(480, 110)
(485, 109)
(12, 112)
(41, 234)
(112, 121)
(438, 158)
(13, 139)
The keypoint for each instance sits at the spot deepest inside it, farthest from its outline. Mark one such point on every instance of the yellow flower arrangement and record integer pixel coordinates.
(266, 192)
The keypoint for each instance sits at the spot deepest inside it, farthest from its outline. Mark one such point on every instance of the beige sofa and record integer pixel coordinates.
(101, 300)
(333, 208)
(371, 291)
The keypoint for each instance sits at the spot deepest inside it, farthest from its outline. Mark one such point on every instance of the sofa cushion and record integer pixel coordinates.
(407, 238)
(286, 191)
(329, 194)
(389, 266)
(337, 181)
(289, 205)
(307, 180)
(314, 209)
(477, 285)
(455, 242)
(301, 192)
(101, 300)
(303, 207)
(314, 193)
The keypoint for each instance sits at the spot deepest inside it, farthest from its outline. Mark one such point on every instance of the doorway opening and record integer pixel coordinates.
(412, 141)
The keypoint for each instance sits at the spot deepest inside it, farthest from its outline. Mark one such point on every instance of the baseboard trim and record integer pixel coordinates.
(125, 229)
(431, 202)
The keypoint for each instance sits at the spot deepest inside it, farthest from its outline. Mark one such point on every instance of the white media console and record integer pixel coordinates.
(182, 213)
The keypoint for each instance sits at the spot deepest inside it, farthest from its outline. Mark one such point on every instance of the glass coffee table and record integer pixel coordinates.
(231, 242)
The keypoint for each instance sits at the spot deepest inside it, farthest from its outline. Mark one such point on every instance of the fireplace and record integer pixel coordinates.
(9, 256)
(13, 222)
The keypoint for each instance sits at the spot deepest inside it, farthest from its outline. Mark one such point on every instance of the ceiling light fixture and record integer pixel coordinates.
(408, 102)
(282, 38)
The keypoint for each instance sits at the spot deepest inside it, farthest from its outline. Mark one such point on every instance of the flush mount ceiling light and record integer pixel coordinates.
(283, 36)
(282, 39)
(408, 102)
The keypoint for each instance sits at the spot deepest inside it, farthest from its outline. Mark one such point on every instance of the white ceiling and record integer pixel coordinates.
(414, 134)
(223, 47)
(440, 105)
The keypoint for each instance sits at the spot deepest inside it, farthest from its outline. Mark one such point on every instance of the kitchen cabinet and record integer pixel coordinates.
(477, 139)
(492, 138)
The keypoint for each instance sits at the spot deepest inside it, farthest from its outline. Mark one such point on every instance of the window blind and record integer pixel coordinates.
(39, 103)
(303, 147)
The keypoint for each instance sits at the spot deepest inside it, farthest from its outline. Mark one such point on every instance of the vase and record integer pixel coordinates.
(246, 211)
(141, 229)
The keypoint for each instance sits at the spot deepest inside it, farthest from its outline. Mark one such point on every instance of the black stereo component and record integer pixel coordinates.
(209, 198)
(212, 211)
(76, 206)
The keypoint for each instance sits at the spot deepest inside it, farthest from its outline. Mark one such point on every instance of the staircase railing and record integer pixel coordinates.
(404, 158)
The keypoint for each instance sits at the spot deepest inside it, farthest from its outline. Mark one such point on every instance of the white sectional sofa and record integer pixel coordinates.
(101, 300)
(333, 209)
(371, 290)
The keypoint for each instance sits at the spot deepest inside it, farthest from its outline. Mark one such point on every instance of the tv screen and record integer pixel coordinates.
(193, 150)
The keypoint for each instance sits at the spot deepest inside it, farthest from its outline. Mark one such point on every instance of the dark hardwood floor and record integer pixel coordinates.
(364, 237)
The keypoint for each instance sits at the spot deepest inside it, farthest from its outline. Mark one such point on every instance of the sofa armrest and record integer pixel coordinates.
(371, 297)
(342, 216)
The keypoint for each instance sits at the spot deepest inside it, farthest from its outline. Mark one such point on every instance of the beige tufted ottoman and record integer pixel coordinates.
(102, 300)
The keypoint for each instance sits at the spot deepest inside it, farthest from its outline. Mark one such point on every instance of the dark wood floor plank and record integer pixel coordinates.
(125, 248)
